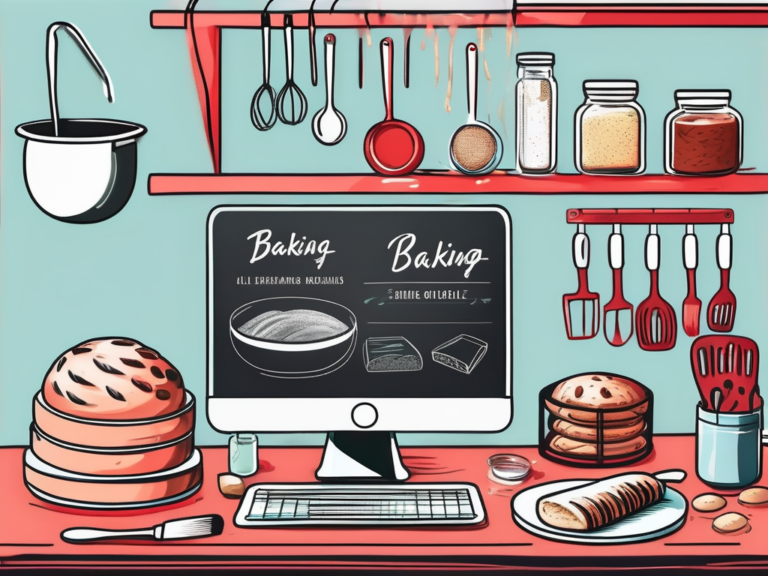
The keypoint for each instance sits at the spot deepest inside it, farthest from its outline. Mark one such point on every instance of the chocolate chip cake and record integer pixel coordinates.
(113, 379)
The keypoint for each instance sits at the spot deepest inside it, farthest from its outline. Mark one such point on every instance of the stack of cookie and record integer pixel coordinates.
(596, 419)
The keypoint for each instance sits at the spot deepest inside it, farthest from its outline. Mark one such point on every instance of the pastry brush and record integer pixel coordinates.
(181, 529)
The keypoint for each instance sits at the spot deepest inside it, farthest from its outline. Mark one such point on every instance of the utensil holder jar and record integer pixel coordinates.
(703, 135)
(728, 447)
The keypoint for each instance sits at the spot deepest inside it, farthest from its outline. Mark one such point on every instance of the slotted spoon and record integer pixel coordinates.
(725, 368)
(722, 308)
(582, 308)
(656, 323)
(617, 313)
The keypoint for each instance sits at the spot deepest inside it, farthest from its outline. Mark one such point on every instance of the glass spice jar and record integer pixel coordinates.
(610, 129)
(703, 135)
(243, 454)
(536, 113)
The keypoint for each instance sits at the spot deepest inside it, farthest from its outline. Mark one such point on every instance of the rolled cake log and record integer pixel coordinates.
(600, 503)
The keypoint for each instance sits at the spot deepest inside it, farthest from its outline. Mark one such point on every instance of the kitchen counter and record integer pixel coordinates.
(499, 543)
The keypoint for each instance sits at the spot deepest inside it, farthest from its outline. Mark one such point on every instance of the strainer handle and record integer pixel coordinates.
(52, 49)
(472, 81)
(387, 68)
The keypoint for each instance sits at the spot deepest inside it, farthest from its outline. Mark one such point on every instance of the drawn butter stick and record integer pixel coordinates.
(391, 354)
(462, 353)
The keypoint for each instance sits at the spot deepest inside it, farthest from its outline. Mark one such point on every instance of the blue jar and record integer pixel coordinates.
(728, 447)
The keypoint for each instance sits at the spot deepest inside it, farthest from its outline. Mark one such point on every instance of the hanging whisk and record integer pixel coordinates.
(291, 102)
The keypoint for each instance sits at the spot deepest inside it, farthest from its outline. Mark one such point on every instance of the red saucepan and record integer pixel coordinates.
(392, 147)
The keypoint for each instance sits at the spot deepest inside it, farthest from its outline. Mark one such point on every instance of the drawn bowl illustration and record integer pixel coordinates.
(293, 337)
(114, 433)
(79, 170)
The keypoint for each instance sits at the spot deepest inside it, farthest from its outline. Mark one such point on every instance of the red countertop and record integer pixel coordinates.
(30, 528)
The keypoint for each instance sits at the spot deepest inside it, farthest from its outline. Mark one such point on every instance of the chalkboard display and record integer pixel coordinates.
(378, 302)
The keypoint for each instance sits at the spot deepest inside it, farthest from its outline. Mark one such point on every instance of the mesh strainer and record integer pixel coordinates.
(475, 147)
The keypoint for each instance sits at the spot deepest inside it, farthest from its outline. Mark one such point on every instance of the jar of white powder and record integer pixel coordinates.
(536, 113)
(610, 129)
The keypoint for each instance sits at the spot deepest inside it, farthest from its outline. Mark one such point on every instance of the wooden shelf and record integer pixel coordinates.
(452, 183)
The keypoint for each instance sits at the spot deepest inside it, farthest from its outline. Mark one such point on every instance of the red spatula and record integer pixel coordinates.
(691, 304)
(617, 313)
(582, 308)
(725, 368)
(656, 323)
(722, 308)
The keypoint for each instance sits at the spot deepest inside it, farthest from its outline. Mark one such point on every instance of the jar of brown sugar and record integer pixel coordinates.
(610, 129)
(703, 135)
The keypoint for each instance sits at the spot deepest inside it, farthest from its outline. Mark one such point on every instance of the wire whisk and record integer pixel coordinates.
(260, 121)
(291, 102)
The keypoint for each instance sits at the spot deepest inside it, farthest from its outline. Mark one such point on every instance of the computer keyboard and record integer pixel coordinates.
(272, 505)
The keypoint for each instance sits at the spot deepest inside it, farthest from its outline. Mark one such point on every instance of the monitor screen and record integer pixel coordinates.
(315, 310)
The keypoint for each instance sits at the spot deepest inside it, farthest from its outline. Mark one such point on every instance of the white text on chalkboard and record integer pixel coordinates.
(442, 257)
(296, 247)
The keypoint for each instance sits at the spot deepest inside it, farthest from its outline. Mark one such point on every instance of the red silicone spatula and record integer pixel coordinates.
(691, 304)
(582, 308)
(725, 368)
(722, 308)
(617, 313)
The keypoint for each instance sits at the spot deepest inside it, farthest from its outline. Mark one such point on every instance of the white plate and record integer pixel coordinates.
(653, 522)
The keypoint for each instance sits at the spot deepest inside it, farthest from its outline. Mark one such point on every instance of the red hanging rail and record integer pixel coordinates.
(650, 216)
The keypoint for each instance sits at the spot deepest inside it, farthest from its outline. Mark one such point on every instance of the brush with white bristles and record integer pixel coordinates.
(181, 529)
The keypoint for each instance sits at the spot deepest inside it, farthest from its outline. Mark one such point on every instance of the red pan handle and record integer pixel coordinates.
(387, 71)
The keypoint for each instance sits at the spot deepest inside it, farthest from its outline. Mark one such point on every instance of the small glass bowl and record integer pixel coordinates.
(509, 467)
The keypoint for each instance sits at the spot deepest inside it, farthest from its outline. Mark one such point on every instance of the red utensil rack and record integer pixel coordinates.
(650, 216)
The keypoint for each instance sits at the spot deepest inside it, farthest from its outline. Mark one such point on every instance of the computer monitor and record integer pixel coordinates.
(359, 322)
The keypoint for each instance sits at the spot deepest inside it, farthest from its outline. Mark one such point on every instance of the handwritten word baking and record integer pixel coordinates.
(296, 247)
(442, 257)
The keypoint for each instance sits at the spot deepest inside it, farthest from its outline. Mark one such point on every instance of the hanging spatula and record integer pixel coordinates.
(722, 308)
(725, 368)
(617, 313)
(656, 321)
(691, 304)
(582, 308)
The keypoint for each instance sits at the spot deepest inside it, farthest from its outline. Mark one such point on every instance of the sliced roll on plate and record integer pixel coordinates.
(600, 503)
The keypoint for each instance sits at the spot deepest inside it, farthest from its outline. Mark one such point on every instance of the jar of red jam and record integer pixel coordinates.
(703, 135)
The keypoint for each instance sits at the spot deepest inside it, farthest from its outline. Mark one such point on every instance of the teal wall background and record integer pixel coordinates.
(141, 274)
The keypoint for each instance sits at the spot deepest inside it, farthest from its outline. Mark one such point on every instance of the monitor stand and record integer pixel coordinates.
(361, 457)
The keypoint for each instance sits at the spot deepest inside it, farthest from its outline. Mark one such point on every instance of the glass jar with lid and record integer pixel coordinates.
(536, 113)
(610, 129)
(703, 135)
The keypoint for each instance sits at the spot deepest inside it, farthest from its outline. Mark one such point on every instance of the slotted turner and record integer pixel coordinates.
(582, 308)
(725, 368)
(722, 308)
(656, 323)
(617, 313)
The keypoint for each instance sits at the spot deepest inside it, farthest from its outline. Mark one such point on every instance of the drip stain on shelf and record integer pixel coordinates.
(452, 32)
